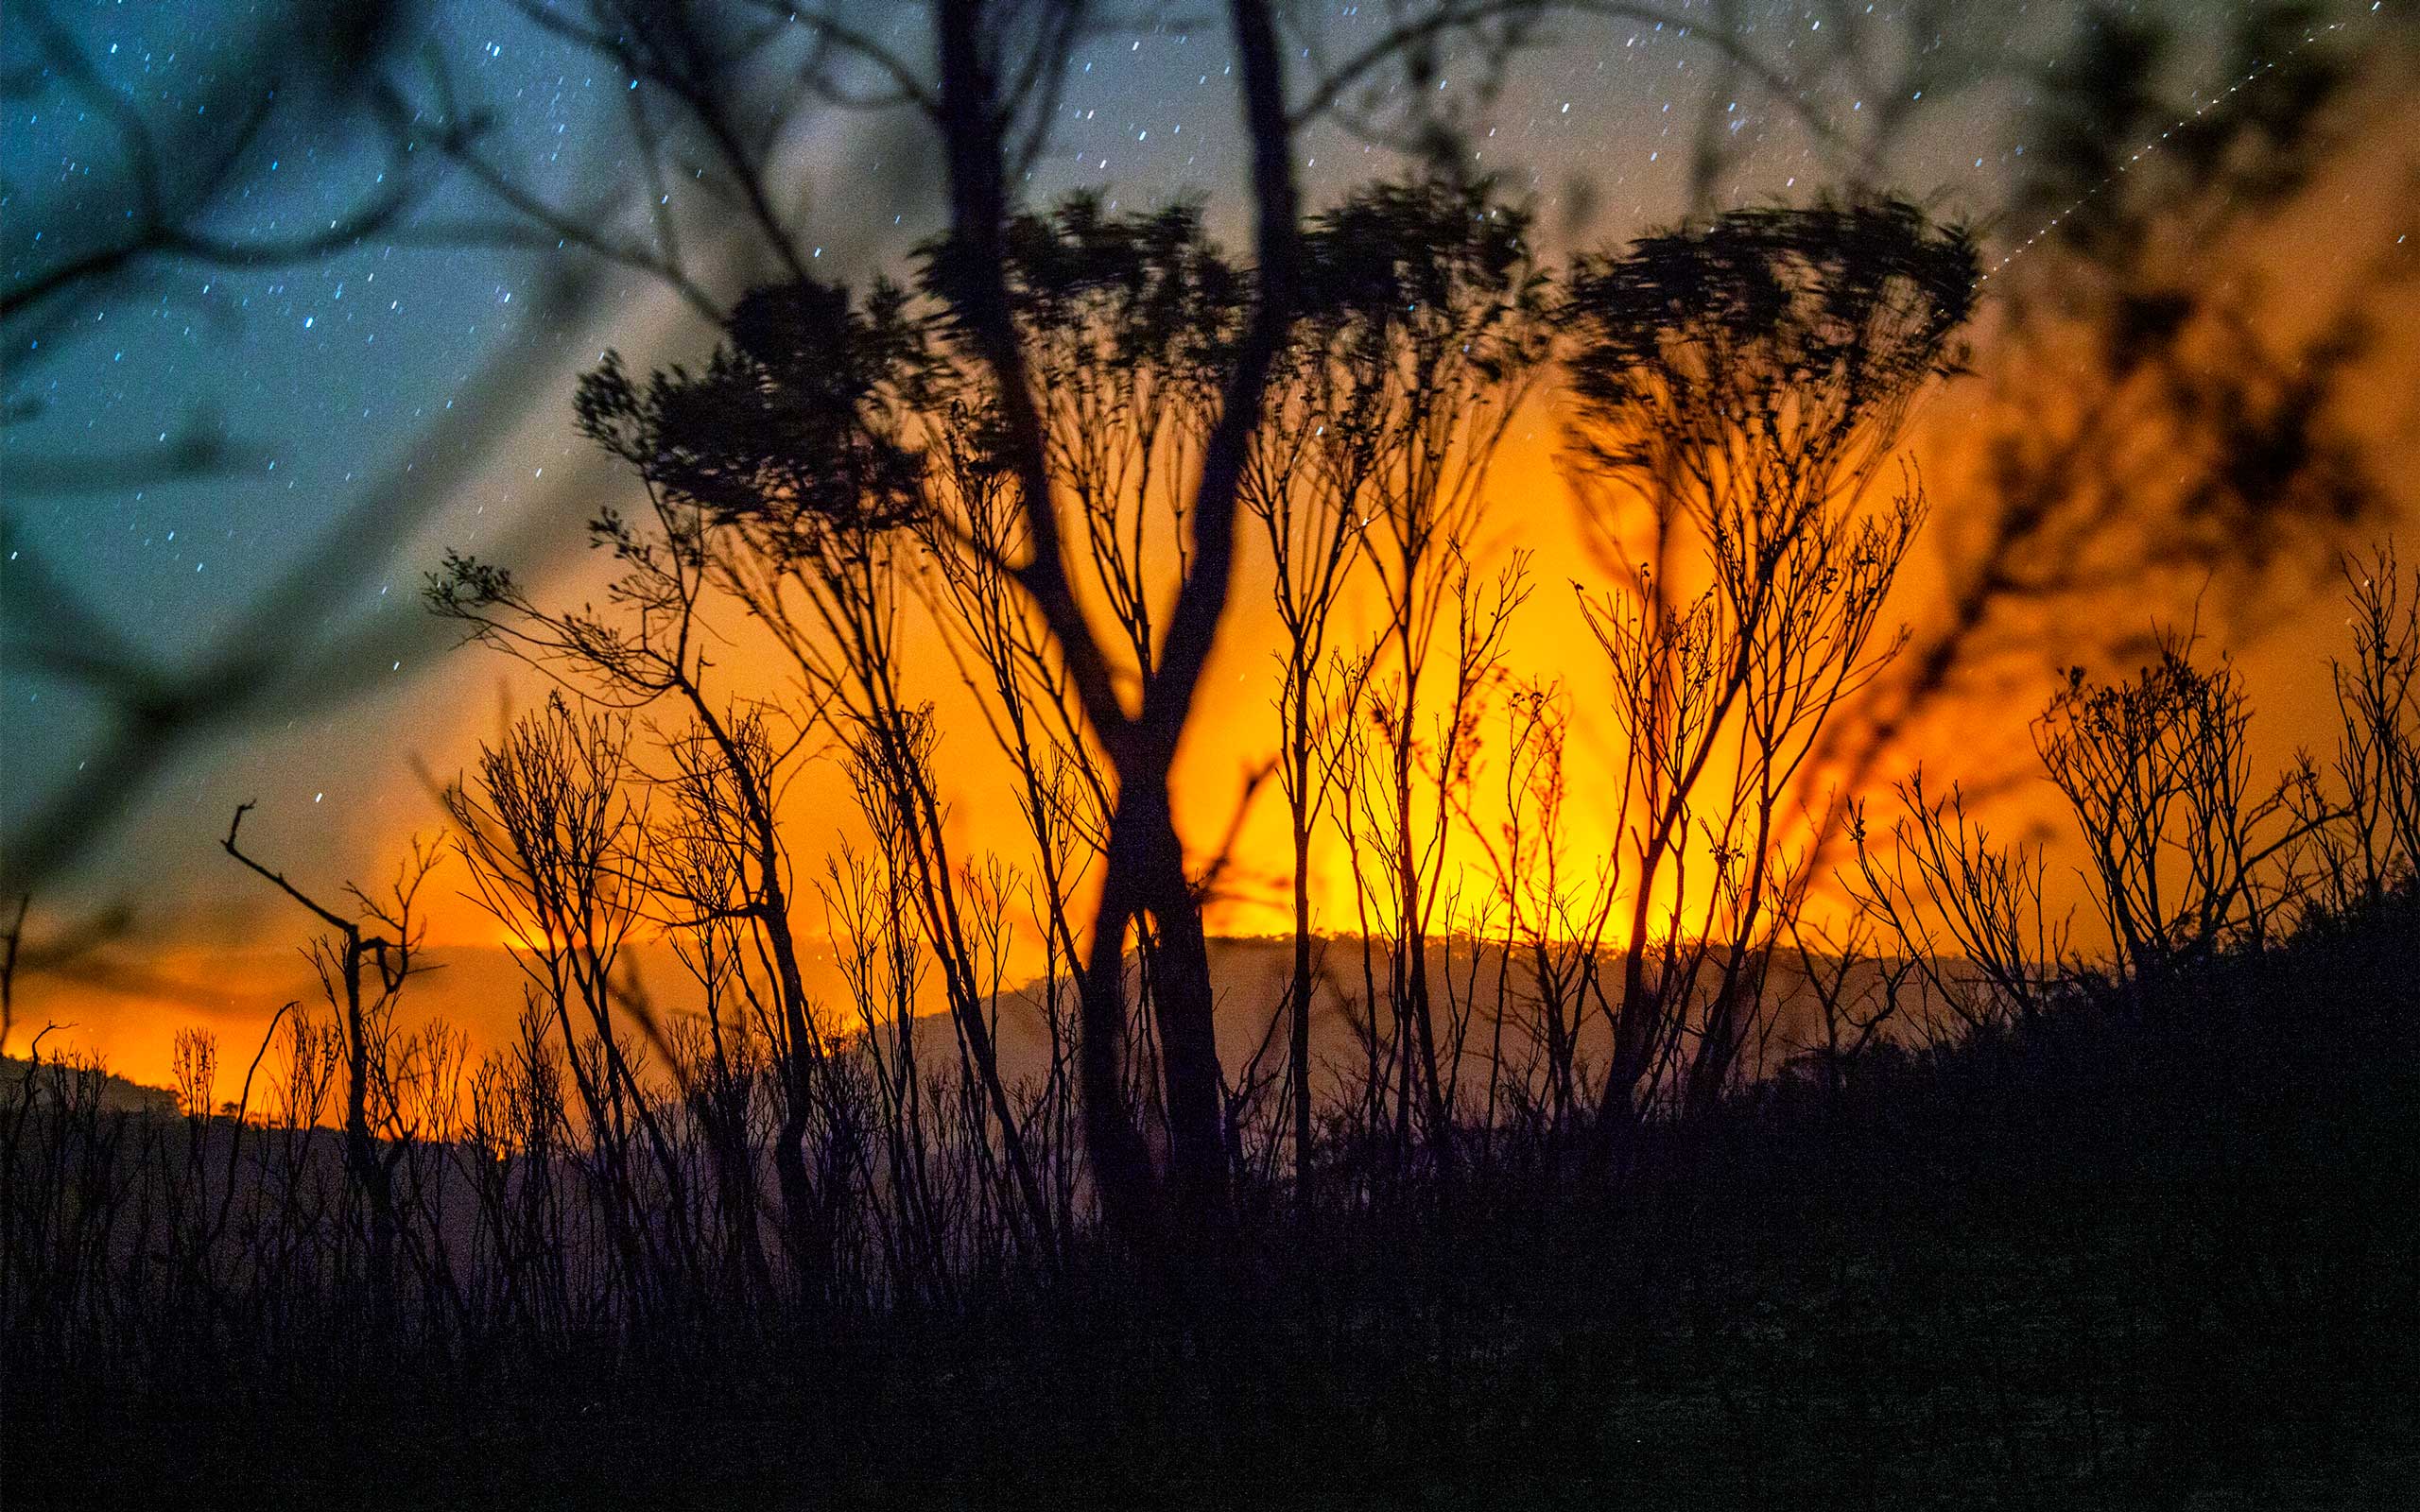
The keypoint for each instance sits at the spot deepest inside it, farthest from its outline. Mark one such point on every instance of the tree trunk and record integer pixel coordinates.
(360, 1154)
(1144, 877)
(1300, 1048)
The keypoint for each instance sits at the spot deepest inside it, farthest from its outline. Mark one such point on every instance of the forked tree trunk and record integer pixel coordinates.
(1144, 877)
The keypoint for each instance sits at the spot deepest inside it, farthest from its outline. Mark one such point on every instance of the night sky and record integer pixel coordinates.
(342, 381)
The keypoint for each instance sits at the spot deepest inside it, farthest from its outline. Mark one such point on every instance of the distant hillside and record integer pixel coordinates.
(1467, 981)
(117, 1093)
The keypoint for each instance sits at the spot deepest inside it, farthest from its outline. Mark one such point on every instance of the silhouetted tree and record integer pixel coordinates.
(1425, 303)
(1736, 386)
(1967, 913)
(2156, 770)
(657, 648)
(2378, 746)
(383, 936)
(553, 835)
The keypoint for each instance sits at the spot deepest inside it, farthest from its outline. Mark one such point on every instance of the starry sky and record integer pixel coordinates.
(262, 460)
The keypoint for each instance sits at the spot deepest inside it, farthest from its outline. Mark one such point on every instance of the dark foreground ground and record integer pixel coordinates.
(2112, 1260)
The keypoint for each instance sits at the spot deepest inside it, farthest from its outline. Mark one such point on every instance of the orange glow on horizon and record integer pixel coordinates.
(232, 989)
